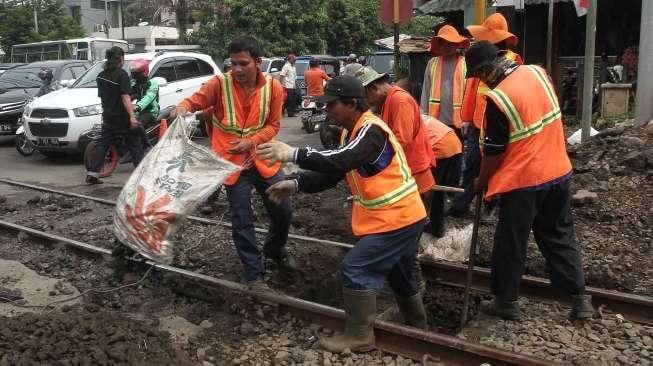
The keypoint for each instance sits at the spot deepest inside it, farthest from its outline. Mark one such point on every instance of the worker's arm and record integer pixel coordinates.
(202, 99)
(494, 144)
(365, 148)
(426, 90)
(325, 76)
(402, 119)
(312, 182)
(125, 95)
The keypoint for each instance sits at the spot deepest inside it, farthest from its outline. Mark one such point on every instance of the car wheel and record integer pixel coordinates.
(24, 146)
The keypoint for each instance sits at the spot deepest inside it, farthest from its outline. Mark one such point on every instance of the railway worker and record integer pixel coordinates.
(387, 213)
(444, 78)
(246, 111)
(401, 113)
(495, 31)
(447, 149)
(525, 162)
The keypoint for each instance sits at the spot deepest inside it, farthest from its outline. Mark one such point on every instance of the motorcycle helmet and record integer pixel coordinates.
(139, 69)
(46, 75)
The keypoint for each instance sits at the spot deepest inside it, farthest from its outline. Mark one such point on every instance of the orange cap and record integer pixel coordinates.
(493, 30)
(449, 34)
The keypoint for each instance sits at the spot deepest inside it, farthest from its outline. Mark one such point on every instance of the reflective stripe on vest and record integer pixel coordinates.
(228, 102)
(407, 186)
(518, 130)
(459, 81)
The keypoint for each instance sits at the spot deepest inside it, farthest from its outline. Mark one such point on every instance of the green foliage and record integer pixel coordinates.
(421, 25)
(17, 23)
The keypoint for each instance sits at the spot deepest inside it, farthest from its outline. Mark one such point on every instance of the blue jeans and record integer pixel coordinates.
(242, 220)
(472, 167)
(390, 255)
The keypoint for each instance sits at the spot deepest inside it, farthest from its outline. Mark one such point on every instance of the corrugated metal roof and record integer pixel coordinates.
(443, 6)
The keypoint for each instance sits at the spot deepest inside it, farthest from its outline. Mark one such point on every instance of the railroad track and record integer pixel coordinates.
(393, 338)
(633, 307)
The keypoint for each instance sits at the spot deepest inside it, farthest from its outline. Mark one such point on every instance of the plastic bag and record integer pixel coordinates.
(453, 247)
(575, 137)
(173, 178)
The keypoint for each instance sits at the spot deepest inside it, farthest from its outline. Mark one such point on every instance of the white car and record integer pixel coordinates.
(55, 121)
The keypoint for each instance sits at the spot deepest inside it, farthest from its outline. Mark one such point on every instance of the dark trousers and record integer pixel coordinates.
(107, 136)
(446, 173)
(377, 257)
(242, 220)
(147, 120)
(292, 101)
(472, 167)
(548, 214)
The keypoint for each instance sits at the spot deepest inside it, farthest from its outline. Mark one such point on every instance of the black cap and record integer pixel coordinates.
(344, 86)
(478, 55)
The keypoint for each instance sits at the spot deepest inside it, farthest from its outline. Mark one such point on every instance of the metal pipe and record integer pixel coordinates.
(588, 70)
(644, 107)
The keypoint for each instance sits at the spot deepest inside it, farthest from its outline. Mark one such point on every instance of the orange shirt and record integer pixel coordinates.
(447, 146)
(314, 79)
(210, 96)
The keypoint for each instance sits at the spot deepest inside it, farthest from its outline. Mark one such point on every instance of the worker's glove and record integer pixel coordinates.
(275, 151)
(280, 190)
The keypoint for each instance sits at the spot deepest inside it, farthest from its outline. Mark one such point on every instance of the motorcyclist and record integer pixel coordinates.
(145, 93)
(47, 85)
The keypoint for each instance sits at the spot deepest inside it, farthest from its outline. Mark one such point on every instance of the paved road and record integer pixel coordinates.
(69, 172)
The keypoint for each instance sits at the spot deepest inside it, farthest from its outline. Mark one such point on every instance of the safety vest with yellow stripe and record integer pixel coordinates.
(388, 200)
(435, 99)
(234, 125)
(536, 152)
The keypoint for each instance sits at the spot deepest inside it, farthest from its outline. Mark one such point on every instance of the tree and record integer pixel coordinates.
(17, 23)
(353, 26)
(422, 25)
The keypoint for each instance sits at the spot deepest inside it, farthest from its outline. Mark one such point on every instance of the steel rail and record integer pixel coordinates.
(397, 339)
(634, 307)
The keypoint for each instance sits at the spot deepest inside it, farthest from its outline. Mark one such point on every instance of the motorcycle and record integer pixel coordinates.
(24, 146)
(312, 114)
(330, 134)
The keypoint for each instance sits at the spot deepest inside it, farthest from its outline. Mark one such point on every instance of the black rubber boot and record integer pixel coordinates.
(508, 310)
(412, 310)
(581, 307)
(360, 308)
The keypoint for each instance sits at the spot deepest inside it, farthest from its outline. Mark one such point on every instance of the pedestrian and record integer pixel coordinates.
(288, 76)
(401, 113)
(444, 78)
(447, 149)
(387, 212)
(246, 107)
(525, 163)
(352, 65)
(145, 93)
(315, 78)
(118, 116)
(495, 31)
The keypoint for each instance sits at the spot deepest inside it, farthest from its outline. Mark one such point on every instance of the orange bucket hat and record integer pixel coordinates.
(493, 30)
(449, 34)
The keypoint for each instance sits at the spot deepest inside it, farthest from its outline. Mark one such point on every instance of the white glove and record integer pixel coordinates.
(275, 151)
(280, 190)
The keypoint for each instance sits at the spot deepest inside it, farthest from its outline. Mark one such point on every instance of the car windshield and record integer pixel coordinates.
(88, 79)
(20, 78)
(301, 66)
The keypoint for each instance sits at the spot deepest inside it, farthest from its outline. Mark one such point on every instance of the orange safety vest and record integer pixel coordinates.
(436, 132)
(474, 101)
(536, 151)
(235, 125)
(435, 74)
(388, 200)
(418, 151)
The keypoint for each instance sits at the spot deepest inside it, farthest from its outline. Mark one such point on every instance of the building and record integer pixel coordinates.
(144, 38)
(95, 15)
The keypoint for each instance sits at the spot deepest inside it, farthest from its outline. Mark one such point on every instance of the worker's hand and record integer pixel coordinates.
(280, 190)
(239, 146)
(179, 111)
(464, 128)
(133, 121)
(275, 151)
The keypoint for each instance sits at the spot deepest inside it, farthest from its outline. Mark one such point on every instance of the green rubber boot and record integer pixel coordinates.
(508, 310)
(581, 307)
(360, 308)
(412, 310)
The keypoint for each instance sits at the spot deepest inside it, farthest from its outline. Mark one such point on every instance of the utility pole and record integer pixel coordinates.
(644, 107)
(479, 11)
(549, 40)
(588, 71)
(36, 17)
(122, 21)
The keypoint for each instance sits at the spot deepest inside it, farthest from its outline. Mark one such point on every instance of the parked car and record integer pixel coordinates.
(329, 64)
(55, 121)
(272, 66)
(19, 84)
(7, 66)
